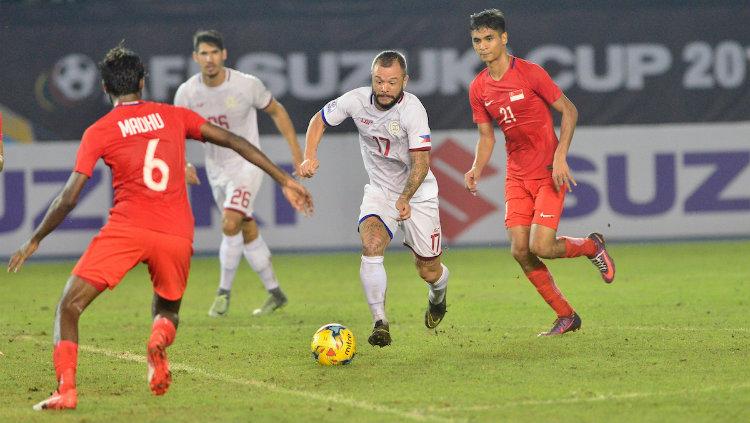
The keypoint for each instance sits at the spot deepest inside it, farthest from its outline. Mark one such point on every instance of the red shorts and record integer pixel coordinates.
(533, 201)
(118, 248)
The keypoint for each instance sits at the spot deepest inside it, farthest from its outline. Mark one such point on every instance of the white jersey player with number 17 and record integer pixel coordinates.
(230, 99)
(394, 138)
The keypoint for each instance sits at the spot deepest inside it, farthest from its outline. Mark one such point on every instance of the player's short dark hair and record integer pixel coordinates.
(490, 18)
(122, 71)
(208, 36)
(387, 58)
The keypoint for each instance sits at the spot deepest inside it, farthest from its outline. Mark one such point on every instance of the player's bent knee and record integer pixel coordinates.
(520, 254)
(429, 274)
(373, 245)
(429, 270)
(230, 228)
(541, 250)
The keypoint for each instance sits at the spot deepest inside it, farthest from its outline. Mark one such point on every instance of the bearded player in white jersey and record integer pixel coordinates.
(394, 139)
(230, 99)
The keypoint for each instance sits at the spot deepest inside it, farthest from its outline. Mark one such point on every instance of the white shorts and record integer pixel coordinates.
(238, 191)
(421, 231)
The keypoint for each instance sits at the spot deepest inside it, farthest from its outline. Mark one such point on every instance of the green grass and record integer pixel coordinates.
(668, 341)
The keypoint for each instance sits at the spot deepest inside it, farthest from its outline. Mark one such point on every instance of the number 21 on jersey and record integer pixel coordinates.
(150, 162)
(507, 115)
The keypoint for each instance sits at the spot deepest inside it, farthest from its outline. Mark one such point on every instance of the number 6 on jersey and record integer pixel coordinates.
(149, 163)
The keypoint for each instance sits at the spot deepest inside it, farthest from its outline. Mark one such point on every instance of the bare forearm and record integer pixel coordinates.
(567, 127)
(483, 152)
(286, 128)
(569, 113)
(420, 165)
(55, 215)
(314, 134)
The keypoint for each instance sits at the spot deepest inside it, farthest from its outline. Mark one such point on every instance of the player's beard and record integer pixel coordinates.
(394, 100)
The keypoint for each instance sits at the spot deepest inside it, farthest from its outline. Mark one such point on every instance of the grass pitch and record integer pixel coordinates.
(669, 340)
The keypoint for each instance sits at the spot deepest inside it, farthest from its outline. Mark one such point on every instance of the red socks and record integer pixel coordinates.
(162, 332)
(65, 357)
(545, 285)
(65, 354)
(576, 247)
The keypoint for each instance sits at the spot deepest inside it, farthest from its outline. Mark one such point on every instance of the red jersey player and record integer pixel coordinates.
(150, 221)
(517, 95)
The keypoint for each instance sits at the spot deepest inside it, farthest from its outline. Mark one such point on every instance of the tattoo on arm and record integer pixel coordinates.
(420, 164)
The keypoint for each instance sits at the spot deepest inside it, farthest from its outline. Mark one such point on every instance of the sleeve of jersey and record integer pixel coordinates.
(89, 152)
(478, 112)
(180, 98)
(336, 111)
(261, 96)
(193, 122)
(543, 84)
(418, 129)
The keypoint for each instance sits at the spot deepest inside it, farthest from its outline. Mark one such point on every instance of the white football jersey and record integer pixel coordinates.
(386, 137)
(232, 105)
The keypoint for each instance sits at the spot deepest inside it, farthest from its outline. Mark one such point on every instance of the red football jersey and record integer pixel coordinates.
(520, 102)
(143, 143)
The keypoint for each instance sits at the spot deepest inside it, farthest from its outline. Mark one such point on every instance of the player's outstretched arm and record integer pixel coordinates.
(315, 130)
(58, 210)
(297, 195)
(561, 175)
(286, 128)
(420, 165)
(482, 155)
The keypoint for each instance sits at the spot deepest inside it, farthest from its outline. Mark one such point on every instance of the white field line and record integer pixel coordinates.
(598, 398)
(586, 327)
(320, 398)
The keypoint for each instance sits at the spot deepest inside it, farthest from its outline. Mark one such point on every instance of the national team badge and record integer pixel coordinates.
(394, 128)
(231, 102)
(331, 106)
(516, 95)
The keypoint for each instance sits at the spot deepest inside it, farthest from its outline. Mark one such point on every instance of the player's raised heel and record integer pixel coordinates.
(271, 304)
(601, 258)
(67, 400)
(564, 324)
(435, 313)
(159, 376)
(381, 335)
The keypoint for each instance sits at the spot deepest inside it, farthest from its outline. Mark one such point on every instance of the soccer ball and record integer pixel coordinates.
(333, 344)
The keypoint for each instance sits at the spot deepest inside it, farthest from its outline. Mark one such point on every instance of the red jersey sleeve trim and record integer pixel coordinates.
(421, 149)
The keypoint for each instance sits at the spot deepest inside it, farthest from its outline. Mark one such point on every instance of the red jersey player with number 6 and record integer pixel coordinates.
(517, 94)
(150, 221)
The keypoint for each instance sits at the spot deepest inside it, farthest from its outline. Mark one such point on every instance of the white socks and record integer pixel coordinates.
(256, 253)
(230, 253)
(374, 281)
(437, 289)
(259, 256)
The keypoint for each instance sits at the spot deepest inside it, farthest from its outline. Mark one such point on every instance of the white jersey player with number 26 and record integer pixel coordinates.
(231, 99)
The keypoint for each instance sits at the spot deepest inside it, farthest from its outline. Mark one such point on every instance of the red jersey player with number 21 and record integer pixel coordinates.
(150, 221)
(517, 94)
